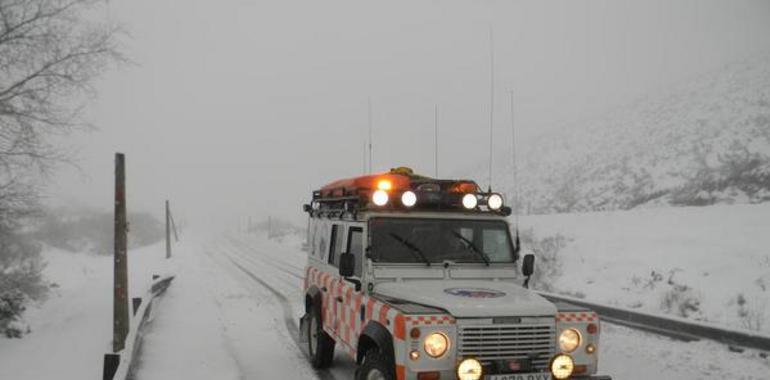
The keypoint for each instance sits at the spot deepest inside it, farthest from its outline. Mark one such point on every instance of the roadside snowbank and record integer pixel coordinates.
(72, 329)
(705, 263)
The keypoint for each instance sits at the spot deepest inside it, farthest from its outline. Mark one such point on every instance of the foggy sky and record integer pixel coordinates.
(243, 107)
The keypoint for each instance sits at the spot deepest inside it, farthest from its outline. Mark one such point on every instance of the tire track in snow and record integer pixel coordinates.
(246, 258)
(287, 266)
(288, 318)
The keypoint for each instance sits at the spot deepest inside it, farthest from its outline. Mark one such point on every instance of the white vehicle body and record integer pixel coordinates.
(388, 309)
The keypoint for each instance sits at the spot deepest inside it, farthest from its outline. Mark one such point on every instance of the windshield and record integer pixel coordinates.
(411, 240)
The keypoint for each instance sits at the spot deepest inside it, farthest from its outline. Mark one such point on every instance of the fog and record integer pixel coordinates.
(238, 108)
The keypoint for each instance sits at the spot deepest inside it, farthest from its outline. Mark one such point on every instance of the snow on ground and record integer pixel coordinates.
(233, 309)
(625, 354)
(72, 329)
(709, 263)
(216, 322)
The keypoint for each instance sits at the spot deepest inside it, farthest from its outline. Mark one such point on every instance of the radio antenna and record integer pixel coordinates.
(363, 169)
(369, 104)
(491, 100)
(435, 141)
(516, 190)
(515, 168)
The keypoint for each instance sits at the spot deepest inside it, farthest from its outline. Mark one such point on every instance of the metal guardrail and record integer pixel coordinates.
(675, 327)
(117, 365)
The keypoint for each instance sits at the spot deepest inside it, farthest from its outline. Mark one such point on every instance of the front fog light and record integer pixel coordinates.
(569, 340)
(469, 369)
(562, 366)
(436, 344)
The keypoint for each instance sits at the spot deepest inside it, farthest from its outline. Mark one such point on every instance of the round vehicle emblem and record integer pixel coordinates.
(474, 292)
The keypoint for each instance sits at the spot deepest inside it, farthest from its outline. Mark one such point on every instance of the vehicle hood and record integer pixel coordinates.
(470, 298)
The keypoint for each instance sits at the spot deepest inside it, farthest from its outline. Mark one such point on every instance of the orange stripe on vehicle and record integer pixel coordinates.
(369, 308)
(400, 372)
(400, 328)
(384, 314)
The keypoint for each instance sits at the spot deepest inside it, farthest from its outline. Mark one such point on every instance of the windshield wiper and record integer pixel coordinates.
(473, 247)
(412, 248)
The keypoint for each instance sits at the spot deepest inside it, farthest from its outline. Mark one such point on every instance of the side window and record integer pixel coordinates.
(322, 240)
(356, 247)
(335, 246)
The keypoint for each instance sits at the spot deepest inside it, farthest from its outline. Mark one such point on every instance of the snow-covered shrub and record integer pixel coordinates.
(681, 300)
(20, 278)
(752, 315)
(11, 308)
(91, 231)
(546, 251)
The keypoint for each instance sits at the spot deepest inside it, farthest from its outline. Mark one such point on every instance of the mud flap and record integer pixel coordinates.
(304, 326)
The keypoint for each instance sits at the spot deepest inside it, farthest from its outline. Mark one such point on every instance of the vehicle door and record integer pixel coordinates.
(332, 289)
(350, 297)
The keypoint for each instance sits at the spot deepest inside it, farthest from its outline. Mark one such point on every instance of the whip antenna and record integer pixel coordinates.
(435, 141)
(516, 190)
(491, 100)
(369, 104)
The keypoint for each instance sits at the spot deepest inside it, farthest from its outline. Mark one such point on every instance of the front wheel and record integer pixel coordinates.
(320, 344)
(376, 366)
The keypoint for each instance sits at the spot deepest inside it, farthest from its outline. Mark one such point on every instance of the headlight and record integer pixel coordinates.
(469, 369)
(569, 340)
(495, 201)
(408, 198)
(380, 197)
(436, 344)
(470, 201)
(562, 366)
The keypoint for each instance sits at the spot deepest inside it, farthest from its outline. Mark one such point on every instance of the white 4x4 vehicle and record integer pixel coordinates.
(417, 278)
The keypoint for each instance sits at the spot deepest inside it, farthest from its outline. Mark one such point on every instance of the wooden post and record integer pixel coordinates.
(168, 230)
(120, 297)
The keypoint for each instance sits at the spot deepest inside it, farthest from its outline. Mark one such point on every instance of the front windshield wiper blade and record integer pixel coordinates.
(412, 248)
(473, 247)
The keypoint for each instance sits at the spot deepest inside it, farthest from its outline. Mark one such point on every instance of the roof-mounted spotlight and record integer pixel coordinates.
(409, 198)
(470, 201)
(495, 201)
(380, 198)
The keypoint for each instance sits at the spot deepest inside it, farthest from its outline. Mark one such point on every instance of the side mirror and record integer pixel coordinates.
(347, 265)
(307, 208)
(528, 266)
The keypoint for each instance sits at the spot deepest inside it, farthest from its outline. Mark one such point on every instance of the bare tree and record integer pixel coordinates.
(50, 52)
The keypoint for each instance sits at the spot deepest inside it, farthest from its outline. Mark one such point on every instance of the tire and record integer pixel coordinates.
(376, 366)
(319, 344)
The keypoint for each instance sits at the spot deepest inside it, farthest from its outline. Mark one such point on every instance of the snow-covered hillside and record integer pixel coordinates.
(703, 142)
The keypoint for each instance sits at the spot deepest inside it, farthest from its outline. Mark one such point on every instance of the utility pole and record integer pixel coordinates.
(168, 230)
(120, 286)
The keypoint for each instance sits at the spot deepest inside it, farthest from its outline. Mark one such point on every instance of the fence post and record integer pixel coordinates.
(120, 287)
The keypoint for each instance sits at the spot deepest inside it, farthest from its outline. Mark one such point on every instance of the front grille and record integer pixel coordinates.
(524, 341)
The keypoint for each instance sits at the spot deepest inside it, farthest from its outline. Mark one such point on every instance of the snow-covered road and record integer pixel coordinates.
(233, 312)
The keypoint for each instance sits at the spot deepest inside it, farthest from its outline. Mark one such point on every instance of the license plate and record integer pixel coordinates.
(520, 376)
